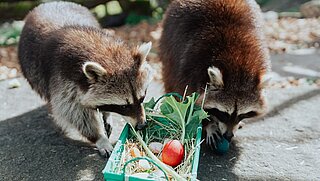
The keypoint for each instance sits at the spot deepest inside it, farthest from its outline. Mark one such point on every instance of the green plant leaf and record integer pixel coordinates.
(165, 108)
(174, 110)
(195, 120)
(149, 105)
(182, 117)
(195, 116)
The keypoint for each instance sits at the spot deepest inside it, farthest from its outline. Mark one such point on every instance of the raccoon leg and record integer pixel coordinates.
(73, 117)
(104, 146)
(213, 133)
(107, 119)
(95, 131)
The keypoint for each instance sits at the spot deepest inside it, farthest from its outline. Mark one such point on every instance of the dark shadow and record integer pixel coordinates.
(31, 148)
(214, 167)
(276, 110)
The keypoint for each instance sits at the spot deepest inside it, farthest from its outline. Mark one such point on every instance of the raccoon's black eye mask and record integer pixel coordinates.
(222, 116)
(125, 110)
(225, 117)
(250, 114)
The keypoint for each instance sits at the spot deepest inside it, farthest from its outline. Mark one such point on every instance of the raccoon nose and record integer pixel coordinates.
(228, 135)
(140, 126)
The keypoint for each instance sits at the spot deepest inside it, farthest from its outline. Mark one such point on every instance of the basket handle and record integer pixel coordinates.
(143, 158)
(168, 95)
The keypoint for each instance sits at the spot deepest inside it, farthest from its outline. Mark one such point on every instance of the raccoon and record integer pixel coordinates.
(83, 72)
(218, 44)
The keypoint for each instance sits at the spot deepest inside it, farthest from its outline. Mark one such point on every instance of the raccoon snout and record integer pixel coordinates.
(228, 135)
(141, 118)
(141, 125)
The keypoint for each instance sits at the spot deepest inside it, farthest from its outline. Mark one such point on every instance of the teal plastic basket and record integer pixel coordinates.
(115, 157)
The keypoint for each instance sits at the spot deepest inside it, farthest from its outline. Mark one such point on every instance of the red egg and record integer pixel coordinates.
(172, 153)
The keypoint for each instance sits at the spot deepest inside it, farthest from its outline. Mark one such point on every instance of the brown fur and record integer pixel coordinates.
(198, 34)
(226, 34)
(81, 44)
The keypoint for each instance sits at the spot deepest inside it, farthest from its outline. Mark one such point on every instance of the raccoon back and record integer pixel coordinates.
(199, 34)
(40, 25)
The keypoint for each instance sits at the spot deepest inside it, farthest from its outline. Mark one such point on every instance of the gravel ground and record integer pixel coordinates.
(284, 145)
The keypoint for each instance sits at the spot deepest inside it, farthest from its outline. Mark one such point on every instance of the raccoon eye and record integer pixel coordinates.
(124, 106)
(247, 115)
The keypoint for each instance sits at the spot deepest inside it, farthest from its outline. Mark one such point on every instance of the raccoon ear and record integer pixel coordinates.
(93, 70)
(144, 50)
(215, 77)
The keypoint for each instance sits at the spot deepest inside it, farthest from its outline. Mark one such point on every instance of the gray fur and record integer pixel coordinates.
(57, 41)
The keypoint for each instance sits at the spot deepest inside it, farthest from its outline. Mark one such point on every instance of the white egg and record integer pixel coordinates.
(159, 173)
(155, 147)
(144, 164)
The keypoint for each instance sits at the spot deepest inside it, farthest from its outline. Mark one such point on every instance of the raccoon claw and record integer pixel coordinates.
(213, 136)
(105, 152)
(104, 146)
(213, 139)
(210, 141)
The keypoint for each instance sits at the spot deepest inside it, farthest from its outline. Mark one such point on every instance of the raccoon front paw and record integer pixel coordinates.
(213, 135)
(104, 146)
